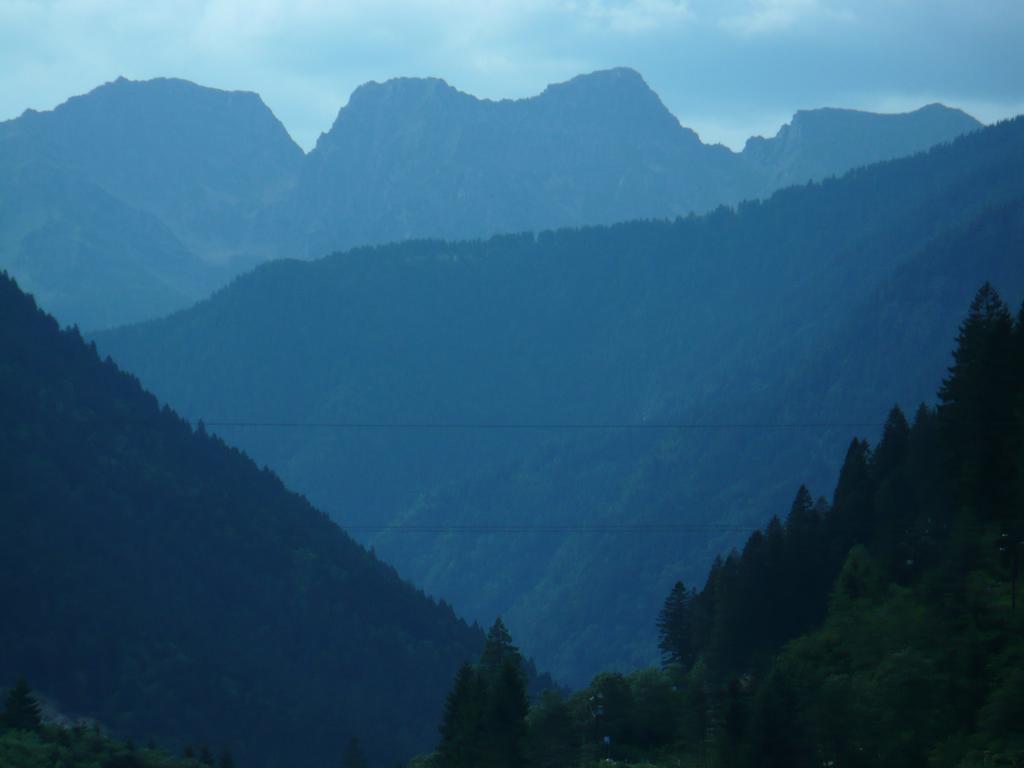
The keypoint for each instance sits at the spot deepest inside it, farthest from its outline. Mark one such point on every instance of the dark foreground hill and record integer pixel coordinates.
(140, 198)
(160, 582)
(425, 388)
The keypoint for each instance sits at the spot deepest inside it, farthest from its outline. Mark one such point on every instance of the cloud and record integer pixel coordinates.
(731, 65)
(632, 17)
(764, 17)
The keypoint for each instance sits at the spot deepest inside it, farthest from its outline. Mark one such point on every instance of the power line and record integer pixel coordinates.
(568, 528)
(426, 425)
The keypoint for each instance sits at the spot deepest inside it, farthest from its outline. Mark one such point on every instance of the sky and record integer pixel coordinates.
(728, 69)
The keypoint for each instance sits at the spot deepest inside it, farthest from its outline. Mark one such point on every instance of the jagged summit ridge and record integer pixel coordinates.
(405, 158)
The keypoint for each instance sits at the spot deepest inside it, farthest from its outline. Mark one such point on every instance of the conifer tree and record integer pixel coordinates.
(976, 404)
(227, 760)
(497, 650)
(504, 728)
(354, 757)
(674, 631)
(462, 721)
(804, 567)
(852, 518)
(1018, 419)
(22, 712)
(891, 451)
(551, 738)
(895, 506)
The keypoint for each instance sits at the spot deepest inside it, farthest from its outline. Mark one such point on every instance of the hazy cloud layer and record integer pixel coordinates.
(728, 68)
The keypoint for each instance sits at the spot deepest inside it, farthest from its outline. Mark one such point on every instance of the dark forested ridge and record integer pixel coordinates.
(885, 627)
(791, 311)
(193, 185)
(158, 581)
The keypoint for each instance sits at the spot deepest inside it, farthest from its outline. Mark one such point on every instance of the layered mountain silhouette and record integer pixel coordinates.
(537, 421)
(213, 183)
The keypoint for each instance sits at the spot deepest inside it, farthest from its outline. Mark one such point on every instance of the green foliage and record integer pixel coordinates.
(484, 718)
(551, 741)
(462, 723)
(353, 757)
(21, 711)
(498, 651)
(675, 635)
(58, 747)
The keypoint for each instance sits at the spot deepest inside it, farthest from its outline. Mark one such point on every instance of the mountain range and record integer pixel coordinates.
(523, 424)
(139, 198)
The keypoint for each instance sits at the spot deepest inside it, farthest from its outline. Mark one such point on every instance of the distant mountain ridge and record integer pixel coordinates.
(407, 158)
(817, 142)
(759, 317)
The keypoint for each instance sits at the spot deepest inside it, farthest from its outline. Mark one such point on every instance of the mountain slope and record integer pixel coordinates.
(703, 481)
(161, 583)
(417, 158)
(203, 160)
(823, 142)
(86, 256)
(719, 319)
(138, 198)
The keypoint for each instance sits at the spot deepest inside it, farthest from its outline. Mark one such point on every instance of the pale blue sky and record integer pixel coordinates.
(727, 68)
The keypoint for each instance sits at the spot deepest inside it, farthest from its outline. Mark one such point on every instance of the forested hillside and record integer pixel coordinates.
(142, 197)
(881, 628)
(159, 582)
(457, 393)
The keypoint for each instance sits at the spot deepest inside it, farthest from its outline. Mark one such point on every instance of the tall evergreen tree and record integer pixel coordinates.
(674, 630)
(497, 650)
(976, 403)
(1018, 419)
(551, 738)
(891, 451)
(505, 717)
(462, 721)
(852, 516)
(895, 505)
(22, 712)
(353, 757)
(804, 579)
